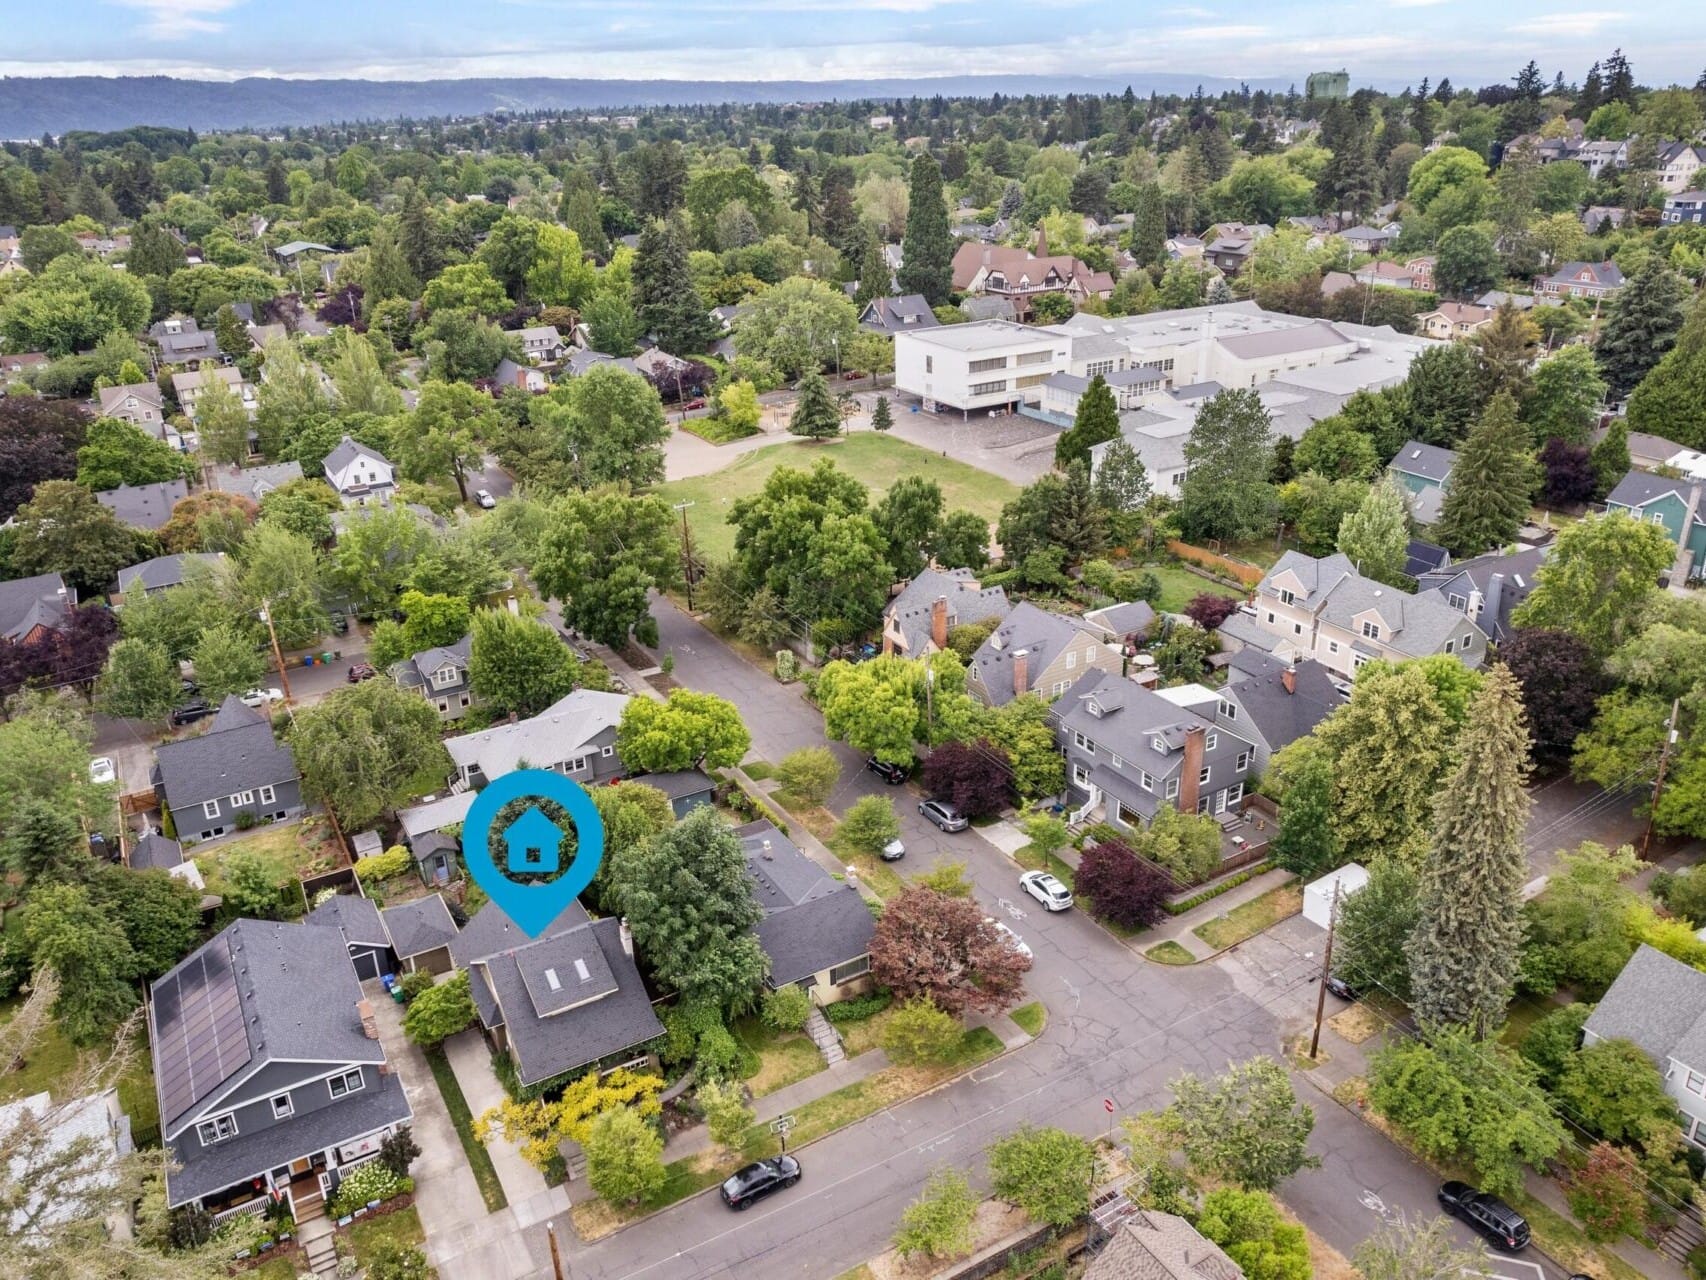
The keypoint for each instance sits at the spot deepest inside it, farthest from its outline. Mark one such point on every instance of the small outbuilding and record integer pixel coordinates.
(1318, 894)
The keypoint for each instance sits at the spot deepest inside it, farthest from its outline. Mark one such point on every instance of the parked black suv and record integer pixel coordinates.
(1503, 1227)
(190, 712)
(759, 1179)
(893, 774)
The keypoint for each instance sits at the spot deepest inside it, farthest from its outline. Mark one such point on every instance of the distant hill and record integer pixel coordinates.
(32, 106)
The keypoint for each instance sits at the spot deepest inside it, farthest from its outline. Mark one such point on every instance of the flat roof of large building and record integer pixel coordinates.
(981, 335)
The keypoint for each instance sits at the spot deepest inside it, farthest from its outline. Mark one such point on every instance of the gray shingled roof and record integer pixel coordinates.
(491, 932)
(1511, 577)
(1122, 620)
(355, 915)
(1638, 488)
(678, 784)
(144, 506)
(1151, 1245)
(1256, 684)
(412, 672)
(905, 312)
(164, 571)
(1428, 461)
(347, 451)
(237, 753)
(1418, 625)
(254, 482)
(812, 921)
(967, 602)
(555, 734)
(1041, 635)
(27, 603)
(1131, 717)
(155, 852)
(1660, 1004)
(419, 926)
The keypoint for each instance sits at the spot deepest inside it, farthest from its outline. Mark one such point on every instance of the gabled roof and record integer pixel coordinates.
(347, 451)
(28, 603)
(1039, 634)
(1660, 1004)
(968, 601)
(555, 734)
(155, 852)
(419, 926)
(355, 915)
(812, 921)
(434, 815)
(1121, 620)
(1638, 488)
(677, 784)
(1607, 274)
(1256, 683)
(164, 571)
(144, 506)
(1424, 557)
(147, 392)
(1151, 1245)
(254, 482)
(907, 311)
(237, 753)
(413, 672)
(1428, 461)
(491, 932)
(1510, 577)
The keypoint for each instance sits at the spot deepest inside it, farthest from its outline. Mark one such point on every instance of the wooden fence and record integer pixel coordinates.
(1238, 570)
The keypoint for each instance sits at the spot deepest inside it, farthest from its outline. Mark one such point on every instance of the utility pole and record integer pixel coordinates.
(556, 1258)
(1659, 779)
(277, 653)
(686, 553)
(1326, 972)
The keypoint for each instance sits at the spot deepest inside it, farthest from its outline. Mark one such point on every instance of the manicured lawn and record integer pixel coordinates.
(1170, 952)
(715, 430)
(276, 1269)
(402, 1228)
(876, 460)
(1031, 1017)
(50, 1066)
(784, 1058)
(479, 1159)
(758, 770)
(1179, 586)
(1250, 919)
(1031, 859)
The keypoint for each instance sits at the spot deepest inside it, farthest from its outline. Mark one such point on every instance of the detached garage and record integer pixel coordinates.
(421, 933)
(369, 944)
(1318, 896)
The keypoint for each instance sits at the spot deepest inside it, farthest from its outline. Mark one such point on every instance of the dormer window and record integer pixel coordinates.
(1371, 630)
(1228, 710)
(1287, 597)
(1158, 744)
(446, 675)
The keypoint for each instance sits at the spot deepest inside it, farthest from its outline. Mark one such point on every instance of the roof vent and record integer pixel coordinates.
(551, 979)
(1415, 453)
(581, 970)
(764, 850)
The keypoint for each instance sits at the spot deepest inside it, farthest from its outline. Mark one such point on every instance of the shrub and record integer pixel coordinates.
(810, 773)
(1605, 1194)
(441, 1011)
(946, 877)
(939, 1223)
(870, 824)
(1122, 888)
(726, 1113)
(919, 1033)
(785, 1009)
(624, 1157)
(365, 1184)
(390, 1261)
(1209, 609)
(415, 983)
(717, 1054)
(399, 1151)
(1045, 1172)
(1247, 1224)
(384, 866)
(858, 1010)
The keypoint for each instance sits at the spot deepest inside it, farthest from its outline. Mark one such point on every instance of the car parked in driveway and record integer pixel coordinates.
(1047, 890)
(1490, 1217)
(101, 770)
(944, 815)
(749, 1185)
(893, 774)
(190, 712)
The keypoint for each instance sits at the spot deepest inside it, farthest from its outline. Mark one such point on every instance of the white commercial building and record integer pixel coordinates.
(994, 364)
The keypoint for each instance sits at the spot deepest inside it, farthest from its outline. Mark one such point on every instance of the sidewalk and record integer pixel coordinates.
(1179, 928)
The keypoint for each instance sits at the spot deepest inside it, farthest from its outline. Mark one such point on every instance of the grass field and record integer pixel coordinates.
(50, 1066)
(1179, 586)
(877, 461)
(1250, 919)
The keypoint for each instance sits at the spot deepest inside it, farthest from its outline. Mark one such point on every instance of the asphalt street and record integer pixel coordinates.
(1119, 1030)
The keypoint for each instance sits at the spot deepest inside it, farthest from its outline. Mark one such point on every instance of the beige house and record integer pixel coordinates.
(1325, 610)
(816, 929)
(1454, 320)
(190, 385)
(1033, 651)
(138, 403)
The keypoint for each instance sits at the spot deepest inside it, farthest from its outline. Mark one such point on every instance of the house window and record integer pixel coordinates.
(1071, 660)
(1371, 630)
(1450, 646)
(988, 388)
(1243, 761)
(607, 752)
(1657, 519)
(1083, 743)
(1098, 367)
(347, 1083)
(444, 704)
(575, 765)
(219, 1129)
(1287, 597)
(446, 675)
(1172, 788)
(1157, 745)
(1202, 778)
(1234, 793)
(1116, 761)
(268, 795)
(210, 808)
(1458, 602)
(1696, 1083)
(1146, 782)
(1332, 646)
(1079, 777)
(1466, 636)
(1357, 659)
(1211, 742)
(281, 1108)
(1057, 688)
(241, 798)
(1228, 709)
(1270, 616)
(849, 971)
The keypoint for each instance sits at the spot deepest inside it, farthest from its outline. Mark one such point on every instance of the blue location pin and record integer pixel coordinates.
(532, 845)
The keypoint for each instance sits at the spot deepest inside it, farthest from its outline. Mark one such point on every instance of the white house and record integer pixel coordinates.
(362, 476)
(992, 365)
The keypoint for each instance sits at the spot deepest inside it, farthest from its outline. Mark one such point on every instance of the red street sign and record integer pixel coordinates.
(1108, 1105)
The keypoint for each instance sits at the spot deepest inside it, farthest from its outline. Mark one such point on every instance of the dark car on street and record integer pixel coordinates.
(190, 712)
(893, 774)
(1344, 990)
(1502, 1226)
(759, 1179)
(360, 671)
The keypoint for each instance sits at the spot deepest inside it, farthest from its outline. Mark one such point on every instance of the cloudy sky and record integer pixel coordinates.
(1387, 43)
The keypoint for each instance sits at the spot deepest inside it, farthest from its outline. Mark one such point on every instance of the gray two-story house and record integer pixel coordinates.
(1272, 703)
(816, 928)
(269, 1071)
(1487, 589)
(1130, 750)
(1034, 651)
(208, 781)
(440, 676)
(575, 736)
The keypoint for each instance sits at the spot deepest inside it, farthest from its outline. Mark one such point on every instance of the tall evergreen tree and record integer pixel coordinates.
(420, 239)
(1097, 421)
(1149, 226)
(1642, 326)
(1486, 497)
(1610, 457)
(1228, 454)
(927, 252)
(580, 212)
(1669, 400)
(1377, 534)
(815, 415)
(837, 211)
(875, 278)
(1593, 87)
(1464, 952)
(1619, 79)
(1506, 348)
(669, 307)
(1305, 843)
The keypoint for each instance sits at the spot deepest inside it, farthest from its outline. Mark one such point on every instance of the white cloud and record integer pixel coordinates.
(1570, 24)
(1416, 4)
(172, 19)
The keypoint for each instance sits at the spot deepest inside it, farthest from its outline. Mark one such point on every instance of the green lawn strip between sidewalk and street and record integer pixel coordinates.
(1031, 859)
(479, 1159)
(1031, 1018)
(1169, 952)
(1250, 918)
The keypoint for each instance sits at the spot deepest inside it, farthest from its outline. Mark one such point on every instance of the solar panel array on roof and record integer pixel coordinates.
(199, 1041)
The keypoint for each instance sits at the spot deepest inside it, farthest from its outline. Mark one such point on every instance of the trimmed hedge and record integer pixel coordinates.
(1225, 886)
(860, 1008)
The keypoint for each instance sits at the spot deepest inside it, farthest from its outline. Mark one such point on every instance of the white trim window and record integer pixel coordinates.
(849, 971)
(241, 798)
(1370, 629)
(1695, 1083)
(268, 795)
(282, 1109)
(1243, 762)
(1287, 596)
(345, 1083)
(1228, 709)
(1234, 793)
(1146, 782)
(210, 808)
(575, 765)
(1083, 743)
(1079, 776)
(1203, 777)
(607, 752)
(1211, 742)
(1172, 788)
(217, 1129)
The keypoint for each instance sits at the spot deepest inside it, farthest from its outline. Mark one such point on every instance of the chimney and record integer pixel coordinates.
(626, 935)
(1021, 672)
(1191, 769)
(1288, 678)
(369, 1024)
(939, 622)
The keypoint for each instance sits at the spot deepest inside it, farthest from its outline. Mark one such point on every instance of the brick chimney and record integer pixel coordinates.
(369, 1024)
(1021, 672)
(1191, 770)
(1288, 678)
(939, 622)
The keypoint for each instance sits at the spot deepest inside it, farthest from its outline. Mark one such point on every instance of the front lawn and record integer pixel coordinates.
(401, 1228)
(1254, 916)
(874, 459)
(880, 877)
(783, 1057)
